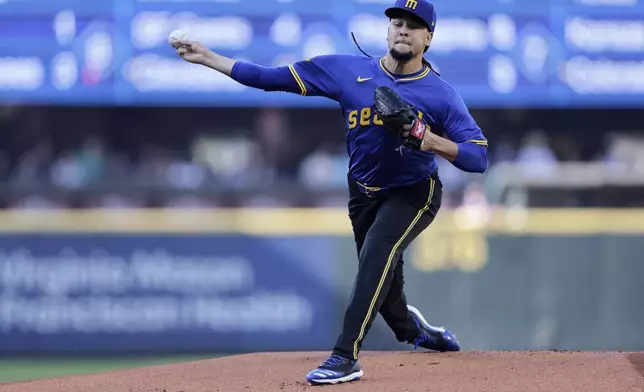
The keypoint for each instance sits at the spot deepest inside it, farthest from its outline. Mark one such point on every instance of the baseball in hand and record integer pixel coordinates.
(176, 36)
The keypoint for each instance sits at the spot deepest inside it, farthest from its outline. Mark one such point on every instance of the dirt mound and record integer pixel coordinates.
(468, 371)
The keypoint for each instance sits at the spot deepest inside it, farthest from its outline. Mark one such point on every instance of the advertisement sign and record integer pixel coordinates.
(168, 292)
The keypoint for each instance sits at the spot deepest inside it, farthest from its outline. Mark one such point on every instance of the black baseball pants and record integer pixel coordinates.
(384, 224)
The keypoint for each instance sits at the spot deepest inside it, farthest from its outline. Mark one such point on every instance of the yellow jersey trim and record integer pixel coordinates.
(479, 142)
(297, 79)
(424, 73)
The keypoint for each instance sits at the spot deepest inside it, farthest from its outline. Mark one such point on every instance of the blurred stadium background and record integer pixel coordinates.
(152, 207)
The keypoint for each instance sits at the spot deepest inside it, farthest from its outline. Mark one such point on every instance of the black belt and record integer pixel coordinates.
(371, 191)
(378, 191)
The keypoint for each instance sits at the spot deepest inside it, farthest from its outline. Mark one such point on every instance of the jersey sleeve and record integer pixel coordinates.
(458, 123)
(319, 76)
(461, 128)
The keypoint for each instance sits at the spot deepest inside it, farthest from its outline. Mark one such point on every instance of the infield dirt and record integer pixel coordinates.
(469, 371)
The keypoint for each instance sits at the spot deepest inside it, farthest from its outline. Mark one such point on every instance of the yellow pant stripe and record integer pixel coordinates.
(297, 79)
(388, 266)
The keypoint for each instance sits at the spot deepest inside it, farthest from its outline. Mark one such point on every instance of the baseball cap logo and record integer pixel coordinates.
(411, 4)
(423, 9)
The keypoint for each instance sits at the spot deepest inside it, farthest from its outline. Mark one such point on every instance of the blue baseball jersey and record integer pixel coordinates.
(377, 156)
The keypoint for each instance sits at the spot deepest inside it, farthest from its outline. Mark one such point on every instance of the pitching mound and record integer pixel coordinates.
(466, 371)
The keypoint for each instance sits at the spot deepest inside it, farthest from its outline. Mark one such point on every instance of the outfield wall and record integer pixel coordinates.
(257, 280)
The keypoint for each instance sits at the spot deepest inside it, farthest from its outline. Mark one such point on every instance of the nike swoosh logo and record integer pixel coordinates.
(360, 79)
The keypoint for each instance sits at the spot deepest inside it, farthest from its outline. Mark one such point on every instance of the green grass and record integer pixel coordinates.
(22, 369)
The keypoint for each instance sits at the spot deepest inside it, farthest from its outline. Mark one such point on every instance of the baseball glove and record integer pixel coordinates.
(399, 117)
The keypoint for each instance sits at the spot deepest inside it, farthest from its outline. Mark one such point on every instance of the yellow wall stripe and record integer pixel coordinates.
(297, 79)
(388, 266)
(316, 221)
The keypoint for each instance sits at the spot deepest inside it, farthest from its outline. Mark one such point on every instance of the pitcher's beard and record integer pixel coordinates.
(401, 56)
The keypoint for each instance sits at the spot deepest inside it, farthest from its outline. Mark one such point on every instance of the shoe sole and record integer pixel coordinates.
(351, 377)
(417, 313)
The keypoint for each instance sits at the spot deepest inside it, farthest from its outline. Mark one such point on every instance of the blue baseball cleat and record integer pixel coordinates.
(335, 370)
(432, 338)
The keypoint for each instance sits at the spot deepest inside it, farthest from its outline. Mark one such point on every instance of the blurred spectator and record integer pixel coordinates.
(325, 169)
(91, 157)
(34, 164)
(254, 157)
(5, 166)
(474, 212)
(276, 145)
(503, 151)
(115, 201)
(188, 202)
(68, 172)
(36, 202)
(535, 155)
(153, 164)
(234, 161)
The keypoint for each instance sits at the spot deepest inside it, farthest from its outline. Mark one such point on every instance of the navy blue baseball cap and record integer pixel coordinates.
(422, 9)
